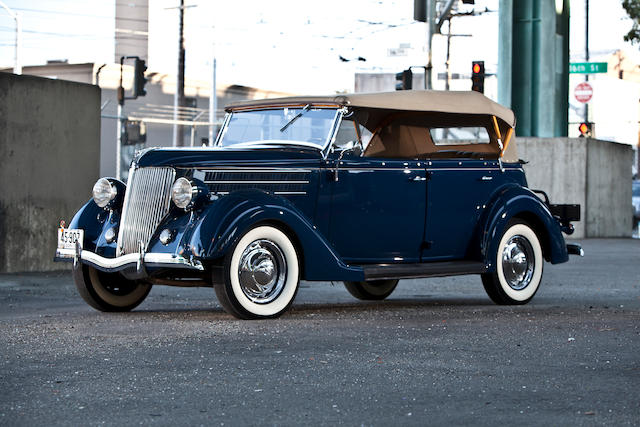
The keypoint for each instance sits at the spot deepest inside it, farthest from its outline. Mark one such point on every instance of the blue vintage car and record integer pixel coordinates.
(365, 188)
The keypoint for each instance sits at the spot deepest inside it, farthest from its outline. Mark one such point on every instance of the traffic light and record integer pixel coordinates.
(477, 76)
(133, 132)
(404, 80)
(585, 129)
(138, 78)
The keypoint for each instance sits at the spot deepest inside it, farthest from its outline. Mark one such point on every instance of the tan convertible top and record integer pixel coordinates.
(406, 100)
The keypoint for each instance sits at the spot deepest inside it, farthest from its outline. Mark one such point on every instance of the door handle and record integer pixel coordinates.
(418, 178)
(486, 178)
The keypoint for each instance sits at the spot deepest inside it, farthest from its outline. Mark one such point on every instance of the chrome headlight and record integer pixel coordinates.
(182, 193)
(104, 192)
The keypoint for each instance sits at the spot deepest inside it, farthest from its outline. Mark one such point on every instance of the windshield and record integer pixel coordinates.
(636, 189)
(300, 126)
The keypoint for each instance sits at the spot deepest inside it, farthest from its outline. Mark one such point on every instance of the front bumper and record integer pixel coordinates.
(138, 262)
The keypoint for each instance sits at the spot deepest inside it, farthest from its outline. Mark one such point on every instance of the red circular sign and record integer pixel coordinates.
(583, 92)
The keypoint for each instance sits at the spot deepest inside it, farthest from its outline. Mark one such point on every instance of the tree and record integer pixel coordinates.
(633, 10)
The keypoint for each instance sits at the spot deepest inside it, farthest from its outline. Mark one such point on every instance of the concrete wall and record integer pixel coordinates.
(608, 189)
(593, 173)
(160, 89)
(49, 160)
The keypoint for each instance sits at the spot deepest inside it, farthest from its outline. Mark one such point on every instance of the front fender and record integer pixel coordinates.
(516, 201)
(226, 220)
(92, 219)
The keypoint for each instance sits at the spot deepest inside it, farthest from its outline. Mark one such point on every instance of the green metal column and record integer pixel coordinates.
(533, 64)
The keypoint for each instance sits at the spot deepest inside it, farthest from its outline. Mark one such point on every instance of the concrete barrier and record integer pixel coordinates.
(593, 173)
(49, 159)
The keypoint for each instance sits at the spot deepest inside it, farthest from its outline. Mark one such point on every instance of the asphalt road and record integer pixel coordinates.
(436, 352)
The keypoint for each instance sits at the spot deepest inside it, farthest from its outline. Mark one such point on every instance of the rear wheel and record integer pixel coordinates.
(519, 265)
(372, 290)
(261, 275)
(109, 291)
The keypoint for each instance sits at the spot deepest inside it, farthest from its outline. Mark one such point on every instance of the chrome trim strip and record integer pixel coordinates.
(130, 260)
(256, 182)
(461, 168)
(285, 193)
(239, 170)
(347, 168)
(234, 169)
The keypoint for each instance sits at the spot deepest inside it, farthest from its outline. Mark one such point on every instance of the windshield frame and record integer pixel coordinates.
(337, 119)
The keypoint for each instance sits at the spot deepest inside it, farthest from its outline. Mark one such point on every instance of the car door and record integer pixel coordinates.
(457, 193)
(377, 208)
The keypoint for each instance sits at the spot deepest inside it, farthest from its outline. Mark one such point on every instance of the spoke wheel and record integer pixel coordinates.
(261, 275)
(109, 291)
(519, 265)
(372, 290)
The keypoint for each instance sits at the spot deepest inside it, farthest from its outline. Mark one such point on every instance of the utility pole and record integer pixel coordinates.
(121, 97)
(178, 98)
(448, 62)
(586, 53)
(213, 102)
(213, 97)
(431, 18)
(17, 66)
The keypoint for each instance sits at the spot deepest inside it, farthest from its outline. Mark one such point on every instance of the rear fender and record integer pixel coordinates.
(519, 202)
(226, 220)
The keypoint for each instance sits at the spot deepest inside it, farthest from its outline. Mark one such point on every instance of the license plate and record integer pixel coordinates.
(68, 237)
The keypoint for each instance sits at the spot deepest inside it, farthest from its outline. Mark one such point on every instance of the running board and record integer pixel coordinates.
(414, 271)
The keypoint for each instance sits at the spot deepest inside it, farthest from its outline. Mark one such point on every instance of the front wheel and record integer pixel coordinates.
(109, 291)
(519, 265)
(261, 275)
(372, 290)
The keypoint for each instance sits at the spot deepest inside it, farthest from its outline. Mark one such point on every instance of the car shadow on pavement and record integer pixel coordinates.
(195, 313)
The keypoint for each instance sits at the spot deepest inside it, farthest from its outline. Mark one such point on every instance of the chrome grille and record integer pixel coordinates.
(146, 202)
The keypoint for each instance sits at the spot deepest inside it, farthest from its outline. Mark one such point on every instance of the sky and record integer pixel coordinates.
(290, 46)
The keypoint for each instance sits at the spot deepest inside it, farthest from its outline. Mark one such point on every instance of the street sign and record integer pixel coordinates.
(583, 92)
(587, 67)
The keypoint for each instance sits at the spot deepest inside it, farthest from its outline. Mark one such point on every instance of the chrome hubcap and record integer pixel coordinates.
(262, 271)
(518, 262)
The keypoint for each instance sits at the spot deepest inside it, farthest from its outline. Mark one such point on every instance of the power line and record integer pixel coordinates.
(46, 33)
(79, 14)
(77, 37)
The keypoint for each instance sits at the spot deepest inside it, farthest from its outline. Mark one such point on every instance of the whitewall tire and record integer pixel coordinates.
(261, 275)
(519, 264)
